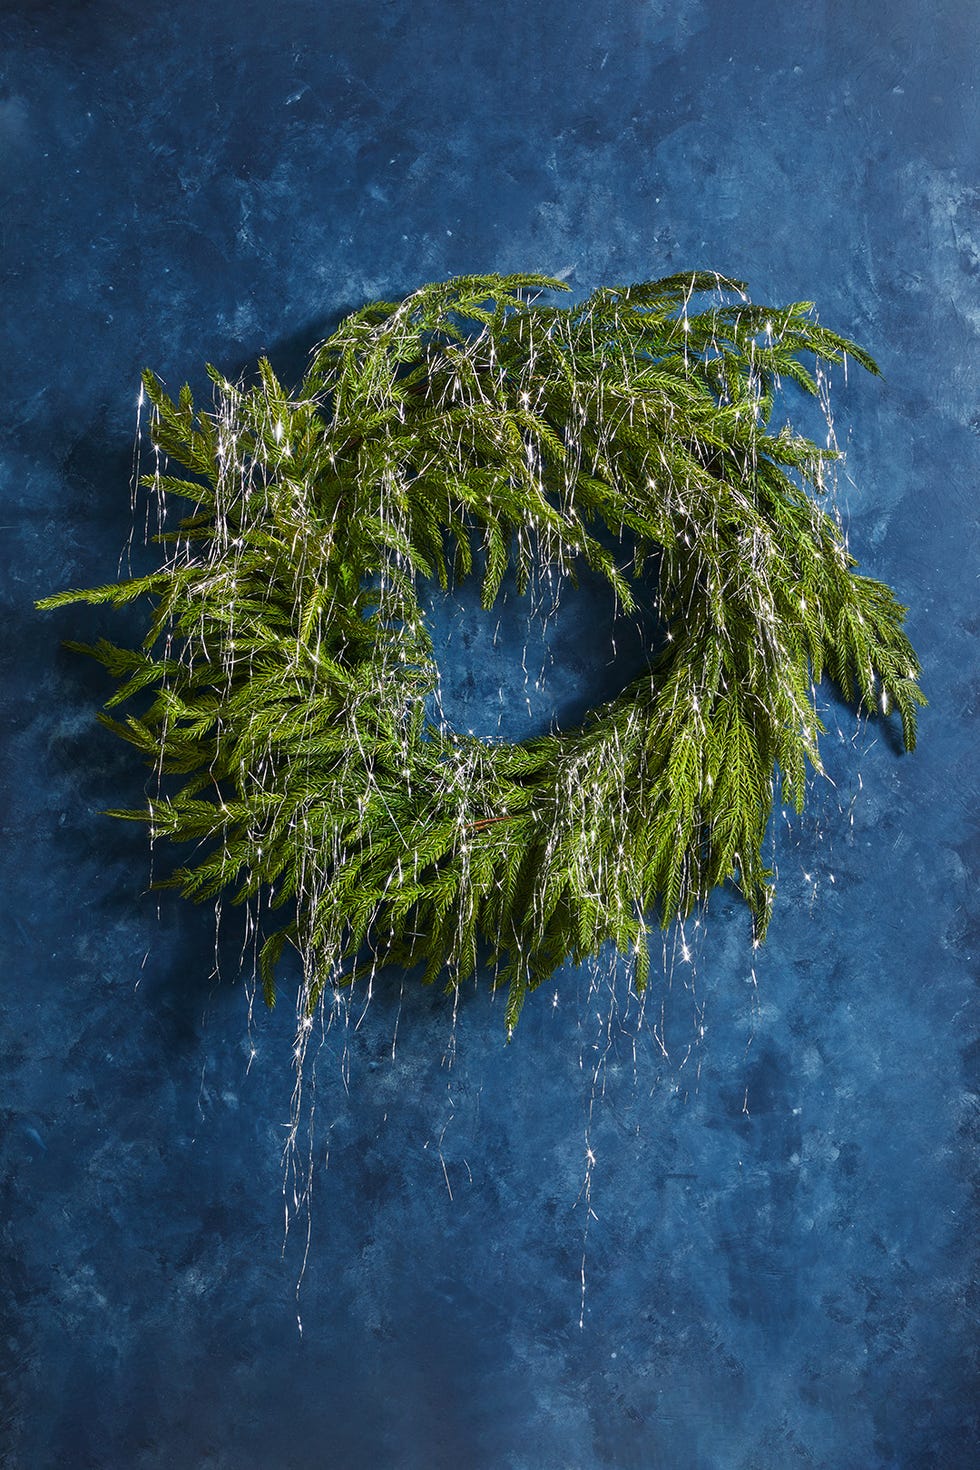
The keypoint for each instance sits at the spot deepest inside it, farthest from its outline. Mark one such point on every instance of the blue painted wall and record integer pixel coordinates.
(778, 1266)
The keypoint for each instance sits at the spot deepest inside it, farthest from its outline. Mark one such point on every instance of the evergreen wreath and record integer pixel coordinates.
(288, 677)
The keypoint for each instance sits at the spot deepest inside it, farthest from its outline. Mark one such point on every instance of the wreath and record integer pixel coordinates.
(287, 689)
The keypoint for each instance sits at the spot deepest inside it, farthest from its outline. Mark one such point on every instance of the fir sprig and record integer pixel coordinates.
(287, 676)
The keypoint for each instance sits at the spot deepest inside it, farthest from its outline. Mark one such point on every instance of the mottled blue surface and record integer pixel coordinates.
(780, 1270)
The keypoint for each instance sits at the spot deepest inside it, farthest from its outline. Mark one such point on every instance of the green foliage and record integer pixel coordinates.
(286, 671)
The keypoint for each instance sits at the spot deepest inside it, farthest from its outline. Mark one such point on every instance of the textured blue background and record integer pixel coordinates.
(779, 1271)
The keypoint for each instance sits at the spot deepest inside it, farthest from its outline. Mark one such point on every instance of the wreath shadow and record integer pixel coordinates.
(107, 864)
